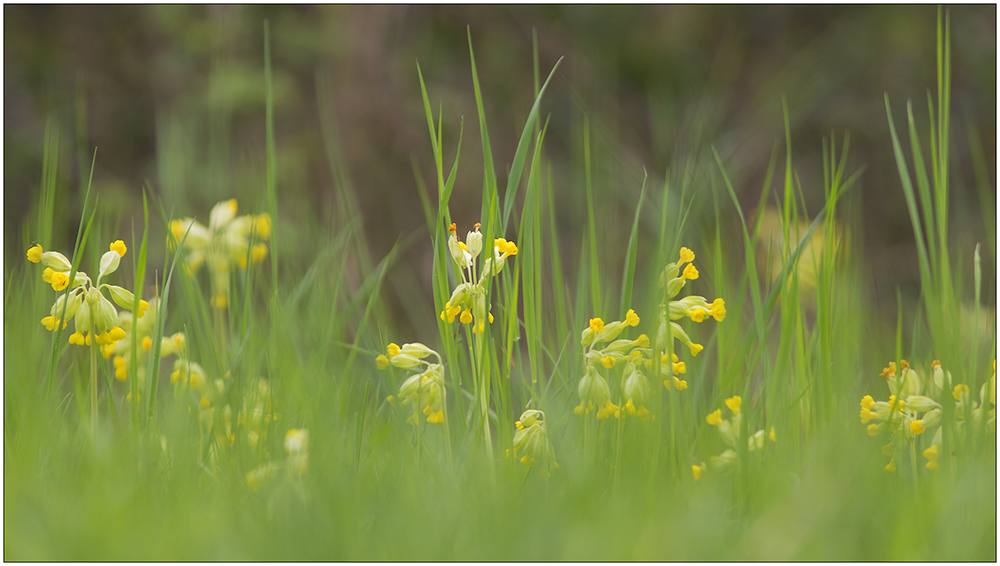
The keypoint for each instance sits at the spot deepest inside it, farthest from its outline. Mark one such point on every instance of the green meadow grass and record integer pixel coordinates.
(800, 345)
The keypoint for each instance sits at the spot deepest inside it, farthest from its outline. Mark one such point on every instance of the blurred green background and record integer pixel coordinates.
(155, 86)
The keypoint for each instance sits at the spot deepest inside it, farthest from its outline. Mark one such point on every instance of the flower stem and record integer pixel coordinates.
(93, 384)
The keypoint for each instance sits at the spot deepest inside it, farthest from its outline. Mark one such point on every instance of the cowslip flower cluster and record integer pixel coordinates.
(468, 300)
(425, 390)
(729, 430)
(914, 409)
(227, 240)
(593, 388)
(532, 440)
(695, 307)
(95, 317)
(258, 410)
(120, 352)
(296, 462)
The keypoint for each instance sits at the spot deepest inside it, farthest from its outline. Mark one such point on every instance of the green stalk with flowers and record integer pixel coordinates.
(95, 317)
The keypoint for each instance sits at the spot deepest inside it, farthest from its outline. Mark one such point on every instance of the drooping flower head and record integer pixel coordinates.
(531, 439)
(468, 299)
(95, 317)
(227, 241)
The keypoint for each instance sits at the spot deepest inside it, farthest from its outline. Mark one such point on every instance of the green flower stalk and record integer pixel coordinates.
(96, 320)
(697, 308)
(468, 303)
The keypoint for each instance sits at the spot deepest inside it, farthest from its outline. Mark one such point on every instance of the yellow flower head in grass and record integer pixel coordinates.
(637, 393)
(697, 471)
(143, 328)
(468, 299)
(228, 240)
(734, 404)
(424, 390)
(714, 418)
(532, 441)
(96, 317)
(297, 447)
(932, 454)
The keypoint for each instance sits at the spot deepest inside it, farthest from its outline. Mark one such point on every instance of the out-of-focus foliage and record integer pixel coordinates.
(151, 86)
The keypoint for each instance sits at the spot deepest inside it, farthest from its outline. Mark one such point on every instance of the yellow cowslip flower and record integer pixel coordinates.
(608, 362)
(734, 404)
(469, 296)
(891, 466)
(679, 334)
(532, 439)
(118, 246)
(594, 393)
(718, 309)
(714, 418)
(697, 470)
(408, 357)
(686, 255)
(932, 454)
(228, 240)
(427, 393)
(917, 427)
(772, 436)
(596, 325)
(637, 393)
(867, 402)
(297, 447)
(873, 429)
(35, 253)
(381, 362)
(888, 371)
(690, 272)
(631, 319)
(960, 390)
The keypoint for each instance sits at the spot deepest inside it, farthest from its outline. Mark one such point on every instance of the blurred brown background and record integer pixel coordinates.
(174, 96)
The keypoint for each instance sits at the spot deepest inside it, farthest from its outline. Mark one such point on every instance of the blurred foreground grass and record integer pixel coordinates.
(802, 342)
